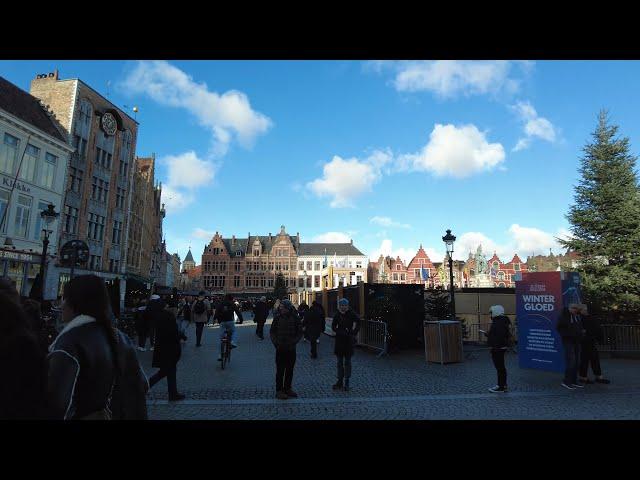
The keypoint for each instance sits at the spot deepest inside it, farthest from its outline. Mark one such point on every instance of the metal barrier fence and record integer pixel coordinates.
(620, 338)
(373, 334)
(616, 338)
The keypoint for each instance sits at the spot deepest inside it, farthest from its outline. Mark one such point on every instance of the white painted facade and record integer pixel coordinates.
(43, 161)
(354, 263)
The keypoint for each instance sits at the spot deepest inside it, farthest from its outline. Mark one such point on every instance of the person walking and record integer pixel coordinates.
(93, 370)
(200, 313)
(224, 315)
(185, 314)
(167, 349)
(499, 338)
(346, 325)
(260, 314)
(142, 326)
(22, 362)
(589, 349)
(313, 324)
(285, 333)
(572, 332)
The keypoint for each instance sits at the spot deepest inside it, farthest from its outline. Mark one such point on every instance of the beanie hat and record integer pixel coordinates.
(343, 302)
(155, 297)
(496, 310)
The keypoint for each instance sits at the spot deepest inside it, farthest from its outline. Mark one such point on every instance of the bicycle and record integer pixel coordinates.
(225, 350)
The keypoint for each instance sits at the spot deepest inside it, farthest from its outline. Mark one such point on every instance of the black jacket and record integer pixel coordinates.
(314, 322)
(593, 329)
(499, 334)
(186, 311)
(570, 328)
(260, 312)
(286, 330)
(23, 374)
(83, 373)
(224, 312)
(166, 352)
(346, 327)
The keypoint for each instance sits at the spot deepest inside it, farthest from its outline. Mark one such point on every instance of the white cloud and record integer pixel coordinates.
(454, 151)
(388, 222)
(386, 248)
(332, 237)
(226, 115)
(524, 241)
(202, 234)
(188, 171)
(452, 78)
(534, 126)
(175, 200)
(344, 180)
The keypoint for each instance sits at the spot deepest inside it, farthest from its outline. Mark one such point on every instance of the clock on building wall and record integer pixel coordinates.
(109, 124)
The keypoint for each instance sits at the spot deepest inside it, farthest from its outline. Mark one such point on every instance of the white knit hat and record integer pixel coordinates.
(496, 310)
(155, 297)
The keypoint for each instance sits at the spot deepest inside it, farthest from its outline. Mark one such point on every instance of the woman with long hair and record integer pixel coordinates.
(91, 370)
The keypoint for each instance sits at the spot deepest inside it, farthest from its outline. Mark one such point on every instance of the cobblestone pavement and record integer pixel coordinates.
(401, 386)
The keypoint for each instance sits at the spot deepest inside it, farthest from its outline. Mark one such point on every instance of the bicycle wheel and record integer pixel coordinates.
(223, 353)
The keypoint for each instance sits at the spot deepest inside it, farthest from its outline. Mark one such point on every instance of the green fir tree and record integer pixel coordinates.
(605, 222)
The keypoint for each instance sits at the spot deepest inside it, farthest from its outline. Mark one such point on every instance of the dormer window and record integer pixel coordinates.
(256, 253)
(495, 265)
(238, 253)
(516, 267)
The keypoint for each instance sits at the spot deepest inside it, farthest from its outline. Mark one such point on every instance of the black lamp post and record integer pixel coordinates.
(48, 216)
(449, 239)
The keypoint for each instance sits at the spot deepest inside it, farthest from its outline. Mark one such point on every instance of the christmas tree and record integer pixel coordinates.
(605, 222)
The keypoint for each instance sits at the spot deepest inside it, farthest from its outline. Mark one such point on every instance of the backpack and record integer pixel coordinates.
(199, 307)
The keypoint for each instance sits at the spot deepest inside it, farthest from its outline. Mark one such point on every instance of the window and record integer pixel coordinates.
(359, 264)
(236, 267)
(238, 253)
(300, 282)
(247, 282)
(95, 227)
(270, 282)
(263, 282)
(395, 276)
(95, 262)
(125, 153)
(286, 267)
(402, 277)
(501, 275)
(300, 265)
(397, 267)
(23, 210)
(236, 281)
(270, 266)
(9, 154)
(119, 197)
(37, 232)
(29, 162)
(263, 266)
(114, 265)
(81, 147)
(308, 282)
(124, 167)
(70, 220)
(316, 265)
(316, 281)
(117, 232)
(516, 267)
(4, 201)
(49, 170)
(278, 266)
(495, 265)
(256, 252)
(358, 278)
(75, 179)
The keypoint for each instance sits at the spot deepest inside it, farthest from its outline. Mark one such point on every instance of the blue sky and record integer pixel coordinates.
(387, 153)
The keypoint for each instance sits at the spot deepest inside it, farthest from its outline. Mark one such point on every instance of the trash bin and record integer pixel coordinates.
(443, 341)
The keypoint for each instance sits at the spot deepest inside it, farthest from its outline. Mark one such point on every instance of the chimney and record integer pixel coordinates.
(233, 239)
(298, 237)
(269, 236)
(352, 241)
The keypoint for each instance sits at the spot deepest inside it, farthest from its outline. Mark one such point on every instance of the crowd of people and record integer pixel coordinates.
(91, 369)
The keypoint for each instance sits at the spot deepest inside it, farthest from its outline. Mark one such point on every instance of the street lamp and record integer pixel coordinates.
(449, 239)
(48, 216)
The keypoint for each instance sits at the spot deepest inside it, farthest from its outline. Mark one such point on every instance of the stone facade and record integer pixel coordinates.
(97, 199)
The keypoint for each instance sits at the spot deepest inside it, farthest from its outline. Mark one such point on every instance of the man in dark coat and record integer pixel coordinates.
(589, 350)
(167, 346)
(313, 323)
(499, 338)
(285, 333)
(346, 325)
(572, 332)
(260, 314)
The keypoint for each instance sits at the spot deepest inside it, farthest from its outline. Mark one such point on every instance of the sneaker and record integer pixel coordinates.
(177, 397)
(603, 380)
(140, 349)
(151, 349)
(498, 389)
(281, 396)
(234, 345)
(577, 385)
(291, 394)
(568, 387)
(219, 359)
(346, 386)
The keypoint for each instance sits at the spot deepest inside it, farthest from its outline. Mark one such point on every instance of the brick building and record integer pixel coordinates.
(249, 265)
(503, 274)
(421, 263)
(97, 198)
(388, 270)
